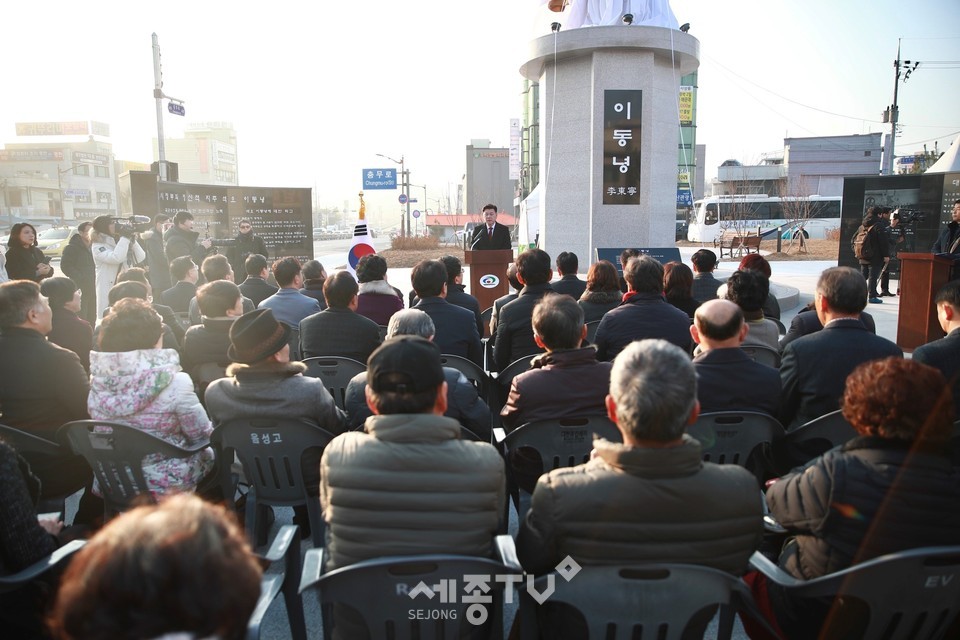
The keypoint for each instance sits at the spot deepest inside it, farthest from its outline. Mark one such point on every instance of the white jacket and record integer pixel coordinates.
(111, 260)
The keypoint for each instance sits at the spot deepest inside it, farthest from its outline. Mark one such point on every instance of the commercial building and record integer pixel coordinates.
(206, 154)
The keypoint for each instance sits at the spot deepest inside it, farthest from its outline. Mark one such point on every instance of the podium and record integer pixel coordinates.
(921, 276)
(488, 275)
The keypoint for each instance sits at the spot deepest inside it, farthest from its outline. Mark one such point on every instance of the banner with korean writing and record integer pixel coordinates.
(686, 106)
(621, 146)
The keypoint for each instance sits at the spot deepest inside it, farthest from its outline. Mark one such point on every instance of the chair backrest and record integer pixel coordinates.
(658, 600)
(912, 594)
(729, 437)
(562, 442)
(382, 329)
(781, 329)
(512, 370)
(336, 373)
(813, 439)
(762, 354)
(592, 330)
(485, 316)
(115, 452)
(24, 442)
(385, 591)
(183, 319)
(270, 450)
(14, 581)
(473, 372)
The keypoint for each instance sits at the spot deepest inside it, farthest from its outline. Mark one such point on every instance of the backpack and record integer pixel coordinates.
(862, 243)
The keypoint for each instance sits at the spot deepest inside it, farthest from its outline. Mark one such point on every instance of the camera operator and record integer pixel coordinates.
(114, 251)
(182, 240)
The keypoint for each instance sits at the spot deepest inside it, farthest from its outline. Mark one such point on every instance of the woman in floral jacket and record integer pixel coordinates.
(134, 381)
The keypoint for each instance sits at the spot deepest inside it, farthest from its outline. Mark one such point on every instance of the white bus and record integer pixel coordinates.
(713, 215)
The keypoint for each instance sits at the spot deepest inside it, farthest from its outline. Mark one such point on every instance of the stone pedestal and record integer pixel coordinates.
(574, 68)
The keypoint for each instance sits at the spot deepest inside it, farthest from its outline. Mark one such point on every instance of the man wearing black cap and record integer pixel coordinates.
(263, 382)
(408, 484)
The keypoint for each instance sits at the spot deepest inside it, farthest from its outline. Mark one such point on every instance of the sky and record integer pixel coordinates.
(316, 90)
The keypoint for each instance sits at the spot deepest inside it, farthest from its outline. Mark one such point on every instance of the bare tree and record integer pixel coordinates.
(798, 209)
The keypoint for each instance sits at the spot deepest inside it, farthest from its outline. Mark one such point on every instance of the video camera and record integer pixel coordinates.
(127, 227)
(908, 216)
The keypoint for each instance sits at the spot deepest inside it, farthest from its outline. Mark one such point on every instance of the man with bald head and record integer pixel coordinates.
(727, 379)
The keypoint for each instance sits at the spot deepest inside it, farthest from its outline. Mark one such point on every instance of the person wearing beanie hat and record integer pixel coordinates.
(379, 486)
(264, 383)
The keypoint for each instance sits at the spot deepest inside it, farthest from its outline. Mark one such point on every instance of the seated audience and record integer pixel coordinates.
(678, 287)
(893, 488)
(814, 368)
(140, 291)
(180, 569)
(650, 499)
(185, 273)
(213, 268)
(463, 402)
(376, 299)
(313, 277)
(944, 354)
(515, 287)
(748, 289)
(255, 286)
(807, 322)
(24, 260)
(569, 283)
(644, 313)
(220, 303)
(755, 261)
(727, 379)
(263, 382)
(705, 285)
(136, 274)
(69, 330)
(514, 330)
(135, 381)
(456, 327)
(565, 381)
(624, 258)
(24, 540)
(602, 292)
(339, 330)
(44, 386)
(288, 304)
(456, 293)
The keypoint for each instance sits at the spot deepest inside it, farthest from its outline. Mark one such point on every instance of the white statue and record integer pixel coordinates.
(586, 13)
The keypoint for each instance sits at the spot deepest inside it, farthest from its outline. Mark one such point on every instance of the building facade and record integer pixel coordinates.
(487, 178)
(206, 154)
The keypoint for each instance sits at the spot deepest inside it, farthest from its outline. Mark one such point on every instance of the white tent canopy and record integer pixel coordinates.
(949, 162)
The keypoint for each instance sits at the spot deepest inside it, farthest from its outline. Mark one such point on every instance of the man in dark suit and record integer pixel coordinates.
(807, 322)
(490, 235)
(502, 300)
(255, 287)
(814, 368)
(514, 327)
(455, 289)
(456, 327)
(178, 297)
(569, 283)
(944, 354)
(643, 314)
(339, 330)
(705, 285)
(727, 379)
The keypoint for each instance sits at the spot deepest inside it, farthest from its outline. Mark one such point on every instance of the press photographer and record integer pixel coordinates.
(114, 251)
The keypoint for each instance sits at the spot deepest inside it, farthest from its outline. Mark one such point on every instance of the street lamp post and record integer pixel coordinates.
(405, 176)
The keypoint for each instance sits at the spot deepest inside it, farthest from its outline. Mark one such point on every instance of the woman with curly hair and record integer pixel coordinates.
(889, 489)
(181, 569)
(25, 261)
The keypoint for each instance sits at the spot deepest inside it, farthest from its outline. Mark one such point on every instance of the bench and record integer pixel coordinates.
(731, 240)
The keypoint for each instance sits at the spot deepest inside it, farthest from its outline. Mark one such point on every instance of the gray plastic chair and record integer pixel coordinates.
(60, 557)
(500, 390)
(812, 439)
(473, 372)
(285, 549)
(25, 442)
(762, 354)
(115, 452)
(658, 600)
(336, 372)
(379, 589)
(270, 450)
(909, 595)
(592, 330)
(742, 438)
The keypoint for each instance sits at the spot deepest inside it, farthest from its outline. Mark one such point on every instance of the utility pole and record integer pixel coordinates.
(892, 115)
(158, 95)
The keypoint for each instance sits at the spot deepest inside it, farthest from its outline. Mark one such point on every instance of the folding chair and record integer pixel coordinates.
(115, 452)
(737, 437)
(811, 440)
(336, 373)
(270, 450)
(384, 591)
(911, 594)
(655, 601)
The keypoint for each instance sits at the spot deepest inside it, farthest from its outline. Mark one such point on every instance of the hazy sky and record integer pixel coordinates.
(315, 90)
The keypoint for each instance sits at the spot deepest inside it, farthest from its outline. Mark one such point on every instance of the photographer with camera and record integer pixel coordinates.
(114, 251)
(182, 240)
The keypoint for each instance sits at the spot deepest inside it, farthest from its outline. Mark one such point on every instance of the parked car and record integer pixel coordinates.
(52, 241)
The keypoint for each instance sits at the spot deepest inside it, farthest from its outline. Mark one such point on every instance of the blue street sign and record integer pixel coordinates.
(413, 199)
(379, 179)
(416, 213)
(403, 198)
(176, 108)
